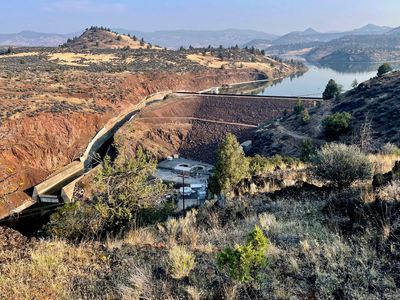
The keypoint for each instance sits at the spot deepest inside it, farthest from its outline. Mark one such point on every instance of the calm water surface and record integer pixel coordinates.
(313, 82)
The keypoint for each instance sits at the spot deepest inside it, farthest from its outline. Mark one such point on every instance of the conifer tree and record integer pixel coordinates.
(231, 168)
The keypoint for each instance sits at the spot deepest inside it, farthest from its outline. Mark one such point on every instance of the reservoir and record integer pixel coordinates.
(313, 82)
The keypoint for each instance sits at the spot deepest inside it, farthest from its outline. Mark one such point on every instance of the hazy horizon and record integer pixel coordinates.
(54, 16)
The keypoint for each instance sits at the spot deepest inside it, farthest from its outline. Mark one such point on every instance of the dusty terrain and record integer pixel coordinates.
(319, 247)
(54, 100)
(194, 125)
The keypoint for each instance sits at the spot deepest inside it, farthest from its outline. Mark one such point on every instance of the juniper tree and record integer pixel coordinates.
(383, 69)
(332, 90)
(232, 166)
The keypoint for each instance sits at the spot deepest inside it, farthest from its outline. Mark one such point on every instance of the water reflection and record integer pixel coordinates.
(313, 82)
(356, 67)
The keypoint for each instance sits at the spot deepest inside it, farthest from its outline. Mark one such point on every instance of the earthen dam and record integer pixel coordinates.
(208, 115)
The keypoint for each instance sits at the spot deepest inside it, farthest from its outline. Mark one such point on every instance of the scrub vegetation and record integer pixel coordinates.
(332, 236)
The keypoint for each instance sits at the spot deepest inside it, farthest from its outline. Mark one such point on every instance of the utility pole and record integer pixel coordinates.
(183, 187)
(184, 171)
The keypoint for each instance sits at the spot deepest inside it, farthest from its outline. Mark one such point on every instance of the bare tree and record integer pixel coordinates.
(365, 140)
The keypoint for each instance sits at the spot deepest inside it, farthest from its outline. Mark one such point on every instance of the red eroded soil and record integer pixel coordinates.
(37, 144)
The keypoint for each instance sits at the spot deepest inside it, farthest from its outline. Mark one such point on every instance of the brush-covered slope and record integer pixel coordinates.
(363, 48)
(376, 101)
(103, 38)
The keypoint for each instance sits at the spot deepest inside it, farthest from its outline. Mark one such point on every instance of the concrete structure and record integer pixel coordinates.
(191, 177)
(292, 98)
(175, 164)
(68, 174)
(56, 181)
(192, 196)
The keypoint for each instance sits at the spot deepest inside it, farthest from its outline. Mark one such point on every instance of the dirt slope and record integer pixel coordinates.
(194, 125)
(376, 100)
(53, 101)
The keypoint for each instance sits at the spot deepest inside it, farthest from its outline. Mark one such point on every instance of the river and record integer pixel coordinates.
(313, 82)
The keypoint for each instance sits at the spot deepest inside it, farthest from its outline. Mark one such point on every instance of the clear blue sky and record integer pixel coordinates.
(274, 16)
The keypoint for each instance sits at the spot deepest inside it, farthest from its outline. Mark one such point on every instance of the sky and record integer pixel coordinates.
(273, 16)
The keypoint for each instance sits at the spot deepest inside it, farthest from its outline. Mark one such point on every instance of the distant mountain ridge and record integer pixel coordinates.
(311, 35)
(34, 39)
(370, 43)
(201, 38)
(395, 31)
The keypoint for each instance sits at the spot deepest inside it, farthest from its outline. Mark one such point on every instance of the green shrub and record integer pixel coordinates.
(308, 150)
(261, 165)
(124, 190)
(383, 69)
(124, 196)
(305, 116)
(341, 165)
(232, 166)
(180, 262)
(76, 221)
(245, 262)
(299, 107)
(336, 124)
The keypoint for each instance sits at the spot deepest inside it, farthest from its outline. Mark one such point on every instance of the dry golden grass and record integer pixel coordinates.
(180, 262)
(207, 60)
(22, 54)
(258, 66)
(126, 41)
(141, 284)
(299, 52)
(181, 231)
(194, 293)
(302, 247)
(383, 163)
(390, 192)
(47, 274)
(140, 237)
(216, 63)
(80, 59)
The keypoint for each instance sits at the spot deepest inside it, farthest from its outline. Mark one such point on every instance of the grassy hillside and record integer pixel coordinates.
(375, 101)
(321, 243)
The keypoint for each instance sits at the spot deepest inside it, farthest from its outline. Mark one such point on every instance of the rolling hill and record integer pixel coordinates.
(104, 38)
(363, 48)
